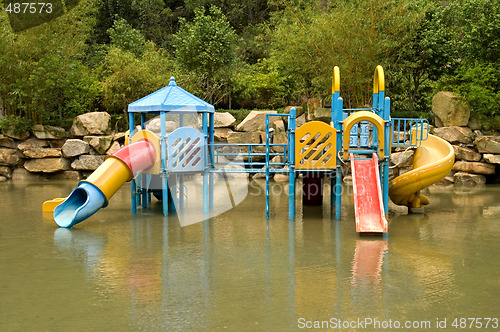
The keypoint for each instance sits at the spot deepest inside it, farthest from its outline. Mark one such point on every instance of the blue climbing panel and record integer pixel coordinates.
(186, 149)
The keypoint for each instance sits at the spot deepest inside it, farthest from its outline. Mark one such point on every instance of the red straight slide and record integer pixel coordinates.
(368, 203)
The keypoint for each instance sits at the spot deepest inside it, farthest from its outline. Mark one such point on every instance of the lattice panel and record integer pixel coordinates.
(186, 150)
(315, 146)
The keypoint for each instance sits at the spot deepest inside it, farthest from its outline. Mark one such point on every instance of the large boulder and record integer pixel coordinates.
(48, 132)
(7, 142)
(87, 162)
(46, 165)
(100, 143)
(221, 134)
(42, 153)
(492, 158)
(255, 121)
(115, 146)
(469, 179)
(474, 167)
(154, 125)
(450, 109)
(402, 159)
(455, 134)
(301, 120)
(8, 157)
(33, 143)
(243, 137)
(223, 120)
(280, 136)
(299, 110)
(6, 171)
(75, 147)
(488, 144)
(466, 154)
(317, 113)
(94, 123)
(10, 132)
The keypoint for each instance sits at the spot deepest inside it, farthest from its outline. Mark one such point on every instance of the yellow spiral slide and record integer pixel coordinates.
(433, 160)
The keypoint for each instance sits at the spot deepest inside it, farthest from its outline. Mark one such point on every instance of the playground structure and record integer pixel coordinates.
(161, 162)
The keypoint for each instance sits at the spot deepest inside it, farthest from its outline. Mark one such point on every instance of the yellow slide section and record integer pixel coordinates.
(433, 160)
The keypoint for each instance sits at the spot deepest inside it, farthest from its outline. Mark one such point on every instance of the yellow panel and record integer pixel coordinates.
(307, 152)
(149, 135)
(49, 206)
(378, 79)
(363, 116)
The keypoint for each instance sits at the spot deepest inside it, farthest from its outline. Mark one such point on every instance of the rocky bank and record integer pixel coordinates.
(48, 152)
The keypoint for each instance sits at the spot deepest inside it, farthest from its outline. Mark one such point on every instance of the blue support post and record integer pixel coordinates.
(339, 105)
(163, 156)
(291, 164)
(267, 166)
(211, 161)
(206, 164)
(387, 149)
(133, 189)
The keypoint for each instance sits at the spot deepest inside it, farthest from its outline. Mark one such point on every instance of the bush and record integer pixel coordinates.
(479, 84)
(15, 123)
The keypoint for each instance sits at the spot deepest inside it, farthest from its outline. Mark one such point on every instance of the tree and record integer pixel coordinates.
(307, 41)
(128, 77)
(424, 53)
(205, 46)
(43, 78)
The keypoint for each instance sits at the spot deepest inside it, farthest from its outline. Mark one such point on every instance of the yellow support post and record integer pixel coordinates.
(378, 79)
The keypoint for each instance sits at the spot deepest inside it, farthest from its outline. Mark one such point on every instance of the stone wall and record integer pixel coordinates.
(48, 152)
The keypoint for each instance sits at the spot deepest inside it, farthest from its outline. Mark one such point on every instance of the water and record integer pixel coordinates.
(239, 272)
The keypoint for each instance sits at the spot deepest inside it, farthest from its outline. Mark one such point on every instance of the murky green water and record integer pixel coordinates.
(123, 272)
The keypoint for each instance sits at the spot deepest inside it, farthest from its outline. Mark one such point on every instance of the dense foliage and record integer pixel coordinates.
(102, 55)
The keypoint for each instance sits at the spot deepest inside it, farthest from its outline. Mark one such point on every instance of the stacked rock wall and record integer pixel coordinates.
(48, 152)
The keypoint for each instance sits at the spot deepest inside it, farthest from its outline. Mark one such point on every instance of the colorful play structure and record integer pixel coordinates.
(157, 163)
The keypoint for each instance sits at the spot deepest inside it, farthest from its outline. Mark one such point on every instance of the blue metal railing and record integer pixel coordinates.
(409, 132)
(249, 156)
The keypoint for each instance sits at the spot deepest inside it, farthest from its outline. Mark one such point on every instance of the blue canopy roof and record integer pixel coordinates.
(171, 98)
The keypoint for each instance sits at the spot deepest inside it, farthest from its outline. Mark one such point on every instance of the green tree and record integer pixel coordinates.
(477, 74)
(43, 78)
(309, 39)
(122, 35)
(425, 52)
(205, 47)
(128, 78)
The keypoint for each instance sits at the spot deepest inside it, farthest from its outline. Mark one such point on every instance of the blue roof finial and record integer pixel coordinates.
(172, 82)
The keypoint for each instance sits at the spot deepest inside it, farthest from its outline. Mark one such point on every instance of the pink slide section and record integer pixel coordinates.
(368, 203)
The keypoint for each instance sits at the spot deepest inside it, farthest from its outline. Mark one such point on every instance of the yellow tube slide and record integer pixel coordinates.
(433, 160)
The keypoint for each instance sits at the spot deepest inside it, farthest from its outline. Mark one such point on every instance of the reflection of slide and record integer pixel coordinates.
(433, 160)
(368, 202)
(95, 192)
(368, 260)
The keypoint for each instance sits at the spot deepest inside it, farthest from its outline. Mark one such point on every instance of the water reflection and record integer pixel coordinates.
(245, 273)
(367, 262)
